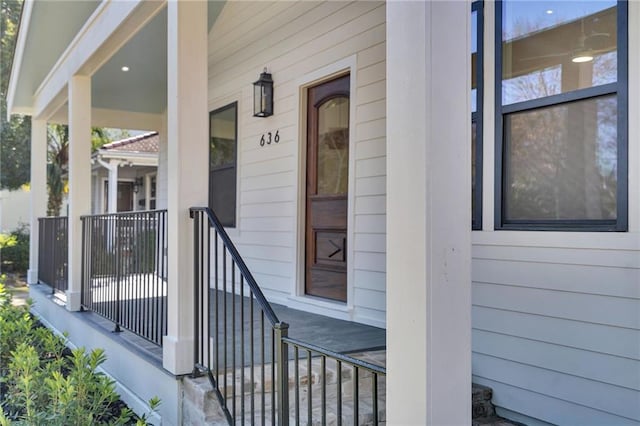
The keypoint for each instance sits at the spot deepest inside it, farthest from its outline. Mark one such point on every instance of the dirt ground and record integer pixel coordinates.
(17, 285)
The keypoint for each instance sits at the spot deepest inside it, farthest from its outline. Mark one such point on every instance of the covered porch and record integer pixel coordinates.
(164, 295)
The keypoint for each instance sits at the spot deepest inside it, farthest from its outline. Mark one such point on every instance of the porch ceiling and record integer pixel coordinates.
(50, 28)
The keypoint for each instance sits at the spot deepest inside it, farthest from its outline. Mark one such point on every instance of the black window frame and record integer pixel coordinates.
(477, 116)
(234, 166)
(619, 89)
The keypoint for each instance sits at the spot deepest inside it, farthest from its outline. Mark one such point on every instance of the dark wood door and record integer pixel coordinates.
(327, 189)
(125, 196)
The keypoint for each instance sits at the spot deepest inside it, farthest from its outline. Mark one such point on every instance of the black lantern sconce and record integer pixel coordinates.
(137, 184)
(263, 95)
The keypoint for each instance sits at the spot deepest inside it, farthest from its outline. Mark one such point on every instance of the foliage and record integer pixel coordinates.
(43, 382)
(15, 134)
(14, 250)
(58, 161)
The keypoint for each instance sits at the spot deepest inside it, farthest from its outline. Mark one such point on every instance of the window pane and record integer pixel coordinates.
(223, 137)
(222, 164)
(561, 162)
(474, 60)
(222, 195)
(473, 167)
(333, 146)
(555, 47)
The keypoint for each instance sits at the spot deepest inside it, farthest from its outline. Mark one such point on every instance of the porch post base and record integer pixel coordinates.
(73, 301)
(32, 276)
(177, 355)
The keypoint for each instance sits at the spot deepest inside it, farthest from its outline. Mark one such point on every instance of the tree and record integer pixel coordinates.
(58, 161)
(15, 134)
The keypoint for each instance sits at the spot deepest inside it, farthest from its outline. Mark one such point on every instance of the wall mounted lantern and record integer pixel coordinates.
(137, 184)
(263, 95)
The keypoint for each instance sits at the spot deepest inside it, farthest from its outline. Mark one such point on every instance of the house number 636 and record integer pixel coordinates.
(270, 137)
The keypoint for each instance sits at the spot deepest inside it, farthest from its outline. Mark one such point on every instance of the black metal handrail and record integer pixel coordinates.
(53, 252)
(224, 348)
(124, 270)
(241, 352)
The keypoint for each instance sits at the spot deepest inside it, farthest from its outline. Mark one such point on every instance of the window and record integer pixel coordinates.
(223, 142)
(561, 124)
(476, 114)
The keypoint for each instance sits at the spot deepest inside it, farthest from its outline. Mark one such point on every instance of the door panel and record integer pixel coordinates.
(327, 189)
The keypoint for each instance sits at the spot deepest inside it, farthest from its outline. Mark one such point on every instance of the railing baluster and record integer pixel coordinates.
(323, 395)
(309, 395)
(201, 291)
(216, 277)
(374, 392)
(224, 319)
(273, 377)
(207, 278)
(242, 365)
(356, 400)
(253, 378)
(297, 383)
(233, 334)
(339, 392)
(196, 290)
(281, 331)
(262, 366)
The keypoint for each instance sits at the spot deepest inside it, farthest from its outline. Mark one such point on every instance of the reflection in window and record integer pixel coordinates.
(550, 48)
(476, 115)
(333, 146)
(563, 146)
(562, 162)
(222, 163)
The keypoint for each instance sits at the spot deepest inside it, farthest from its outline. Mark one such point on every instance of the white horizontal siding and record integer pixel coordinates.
(295, 39)
(555, 411)
(601, 367)
(613, 400)
(589, 336)
(556, 329)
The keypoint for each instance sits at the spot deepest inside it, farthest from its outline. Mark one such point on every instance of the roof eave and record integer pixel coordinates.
(16, 64)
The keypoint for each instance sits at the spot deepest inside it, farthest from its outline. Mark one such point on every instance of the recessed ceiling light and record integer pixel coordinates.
(549, 11)
(581, 58)
(125, 68)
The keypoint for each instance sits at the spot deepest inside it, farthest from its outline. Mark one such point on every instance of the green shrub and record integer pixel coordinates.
(43, 382)
(14, 250)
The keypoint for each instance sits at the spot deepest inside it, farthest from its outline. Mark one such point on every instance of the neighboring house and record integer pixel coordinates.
(353, 199)
(132, 163)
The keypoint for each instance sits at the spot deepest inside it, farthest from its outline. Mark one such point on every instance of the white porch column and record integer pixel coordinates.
(147, 192)
(428, 213)
(38, 192)
(187, 134)
(112, 195)
(79, 179)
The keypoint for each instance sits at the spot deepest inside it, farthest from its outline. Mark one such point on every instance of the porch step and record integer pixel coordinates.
(483, 413)
(481, 405)
(201, 403)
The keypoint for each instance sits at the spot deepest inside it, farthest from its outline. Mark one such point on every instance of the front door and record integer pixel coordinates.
(327, 189)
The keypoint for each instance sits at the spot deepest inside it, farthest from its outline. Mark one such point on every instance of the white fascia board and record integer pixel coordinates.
(101, 117)
(111, 25)
(16, 65)
(111, 118)
(135, 158)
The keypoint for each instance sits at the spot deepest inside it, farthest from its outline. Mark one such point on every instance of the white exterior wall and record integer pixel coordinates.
(14, 209)
(556, 315)
(301, 43)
